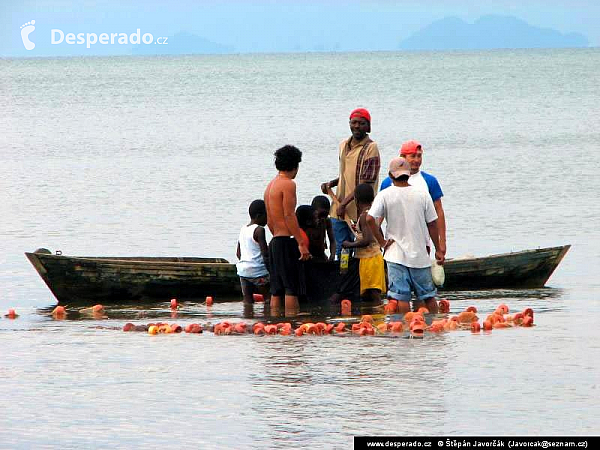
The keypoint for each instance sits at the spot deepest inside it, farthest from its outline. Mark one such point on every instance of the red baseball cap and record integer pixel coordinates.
(410, 147)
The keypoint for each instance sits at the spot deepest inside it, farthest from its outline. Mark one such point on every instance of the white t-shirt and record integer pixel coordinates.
(416, 179)
(251, 264)
(407, 211)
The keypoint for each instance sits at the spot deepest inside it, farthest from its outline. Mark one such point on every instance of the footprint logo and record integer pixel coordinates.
(26, 30)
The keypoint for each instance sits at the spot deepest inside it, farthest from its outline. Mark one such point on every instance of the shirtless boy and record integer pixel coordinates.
(287, 248)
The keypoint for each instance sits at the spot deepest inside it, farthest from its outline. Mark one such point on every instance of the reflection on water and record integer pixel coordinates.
(230, 308)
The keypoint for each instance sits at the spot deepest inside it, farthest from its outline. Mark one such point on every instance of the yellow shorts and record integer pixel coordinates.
(372, 273)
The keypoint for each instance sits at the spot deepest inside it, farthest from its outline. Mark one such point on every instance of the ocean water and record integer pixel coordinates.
(160, 156)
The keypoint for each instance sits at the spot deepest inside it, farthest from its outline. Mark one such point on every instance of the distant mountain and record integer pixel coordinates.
(182, 43)
(452, 33)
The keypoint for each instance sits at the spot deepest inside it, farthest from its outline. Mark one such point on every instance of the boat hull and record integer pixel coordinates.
(117, 280)
(143, 279)
(526, 269)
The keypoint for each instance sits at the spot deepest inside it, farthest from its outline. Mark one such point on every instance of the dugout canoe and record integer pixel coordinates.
(77, 279)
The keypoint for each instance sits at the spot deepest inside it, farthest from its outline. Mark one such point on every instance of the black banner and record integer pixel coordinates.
(474, 442)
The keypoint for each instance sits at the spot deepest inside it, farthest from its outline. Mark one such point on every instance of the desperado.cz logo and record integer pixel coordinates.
(89, 39)
(59, 36)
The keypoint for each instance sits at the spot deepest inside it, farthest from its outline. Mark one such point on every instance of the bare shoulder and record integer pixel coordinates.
(274, 184)
(287, 184)
(259, 233)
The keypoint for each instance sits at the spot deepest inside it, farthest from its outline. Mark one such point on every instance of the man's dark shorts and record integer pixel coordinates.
(287, 271)
(251, 286)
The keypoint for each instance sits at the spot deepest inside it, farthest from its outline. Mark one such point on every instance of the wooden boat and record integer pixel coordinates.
(525, 269)
(75, 279)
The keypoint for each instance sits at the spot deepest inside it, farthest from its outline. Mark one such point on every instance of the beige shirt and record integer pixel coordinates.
(359, 163)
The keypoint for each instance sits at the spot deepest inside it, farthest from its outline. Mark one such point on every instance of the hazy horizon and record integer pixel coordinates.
(268, 26)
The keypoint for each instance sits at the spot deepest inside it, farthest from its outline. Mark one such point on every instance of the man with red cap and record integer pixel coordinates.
(412, 151)
(359, 163)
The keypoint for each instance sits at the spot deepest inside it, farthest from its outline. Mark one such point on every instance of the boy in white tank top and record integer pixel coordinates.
(253, 254)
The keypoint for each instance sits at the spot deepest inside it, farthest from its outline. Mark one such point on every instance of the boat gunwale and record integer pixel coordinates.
(158, 260)
(164, 260)
(559, 248)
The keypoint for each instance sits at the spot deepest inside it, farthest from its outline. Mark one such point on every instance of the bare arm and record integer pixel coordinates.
(373, 225)
(367, 235)
(289, 216)
(341, 210)
(329, 184)
(331, 237)
(238, 252)
(267, 200)
(434, 233)
(439, 209)
(260, 237)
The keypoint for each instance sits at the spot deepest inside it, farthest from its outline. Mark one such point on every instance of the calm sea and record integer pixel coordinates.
(161, 156)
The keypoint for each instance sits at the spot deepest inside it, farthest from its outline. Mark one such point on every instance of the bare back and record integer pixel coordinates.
(280, 200)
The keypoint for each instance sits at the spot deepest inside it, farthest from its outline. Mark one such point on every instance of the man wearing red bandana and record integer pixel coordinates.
(359, 162)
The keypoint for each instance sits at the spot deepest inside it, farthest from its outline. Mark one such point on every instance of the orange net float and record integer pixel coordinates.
(391, 307)
(502, 309)
(397, 327)
(59, 313)
(340, 327)
(444, 306)
(346, 308)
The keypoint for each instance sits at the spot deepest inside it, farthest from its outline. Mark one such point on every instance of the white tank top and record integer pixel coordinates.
(251, 264)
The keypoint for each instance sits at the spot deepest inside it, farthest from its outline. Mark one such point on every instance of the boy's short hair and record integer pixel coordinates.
(287, 158)
(305, 215)
(321, 202)
(364, 193)
(257, 208)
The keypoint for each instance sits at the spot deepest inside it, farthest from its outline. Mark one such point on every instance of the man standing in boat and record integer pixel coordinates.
(359, 162)
(412, 151)
(287, 248)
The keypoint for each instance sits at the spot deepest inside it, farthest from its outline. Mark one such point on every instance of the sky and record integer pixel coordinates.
(268, 25)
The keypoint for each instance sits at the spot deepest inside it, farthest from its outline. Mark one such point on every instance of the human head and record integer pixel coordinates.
(258, 212)
(399, 169)
(321, 205)
(287, 159)
(413, 152)
(306, 216)
(363, 194)
(360, 123)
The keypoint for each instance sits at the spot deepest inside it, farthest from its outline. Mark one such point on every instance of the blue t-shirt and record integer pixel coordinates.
(432, 185)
